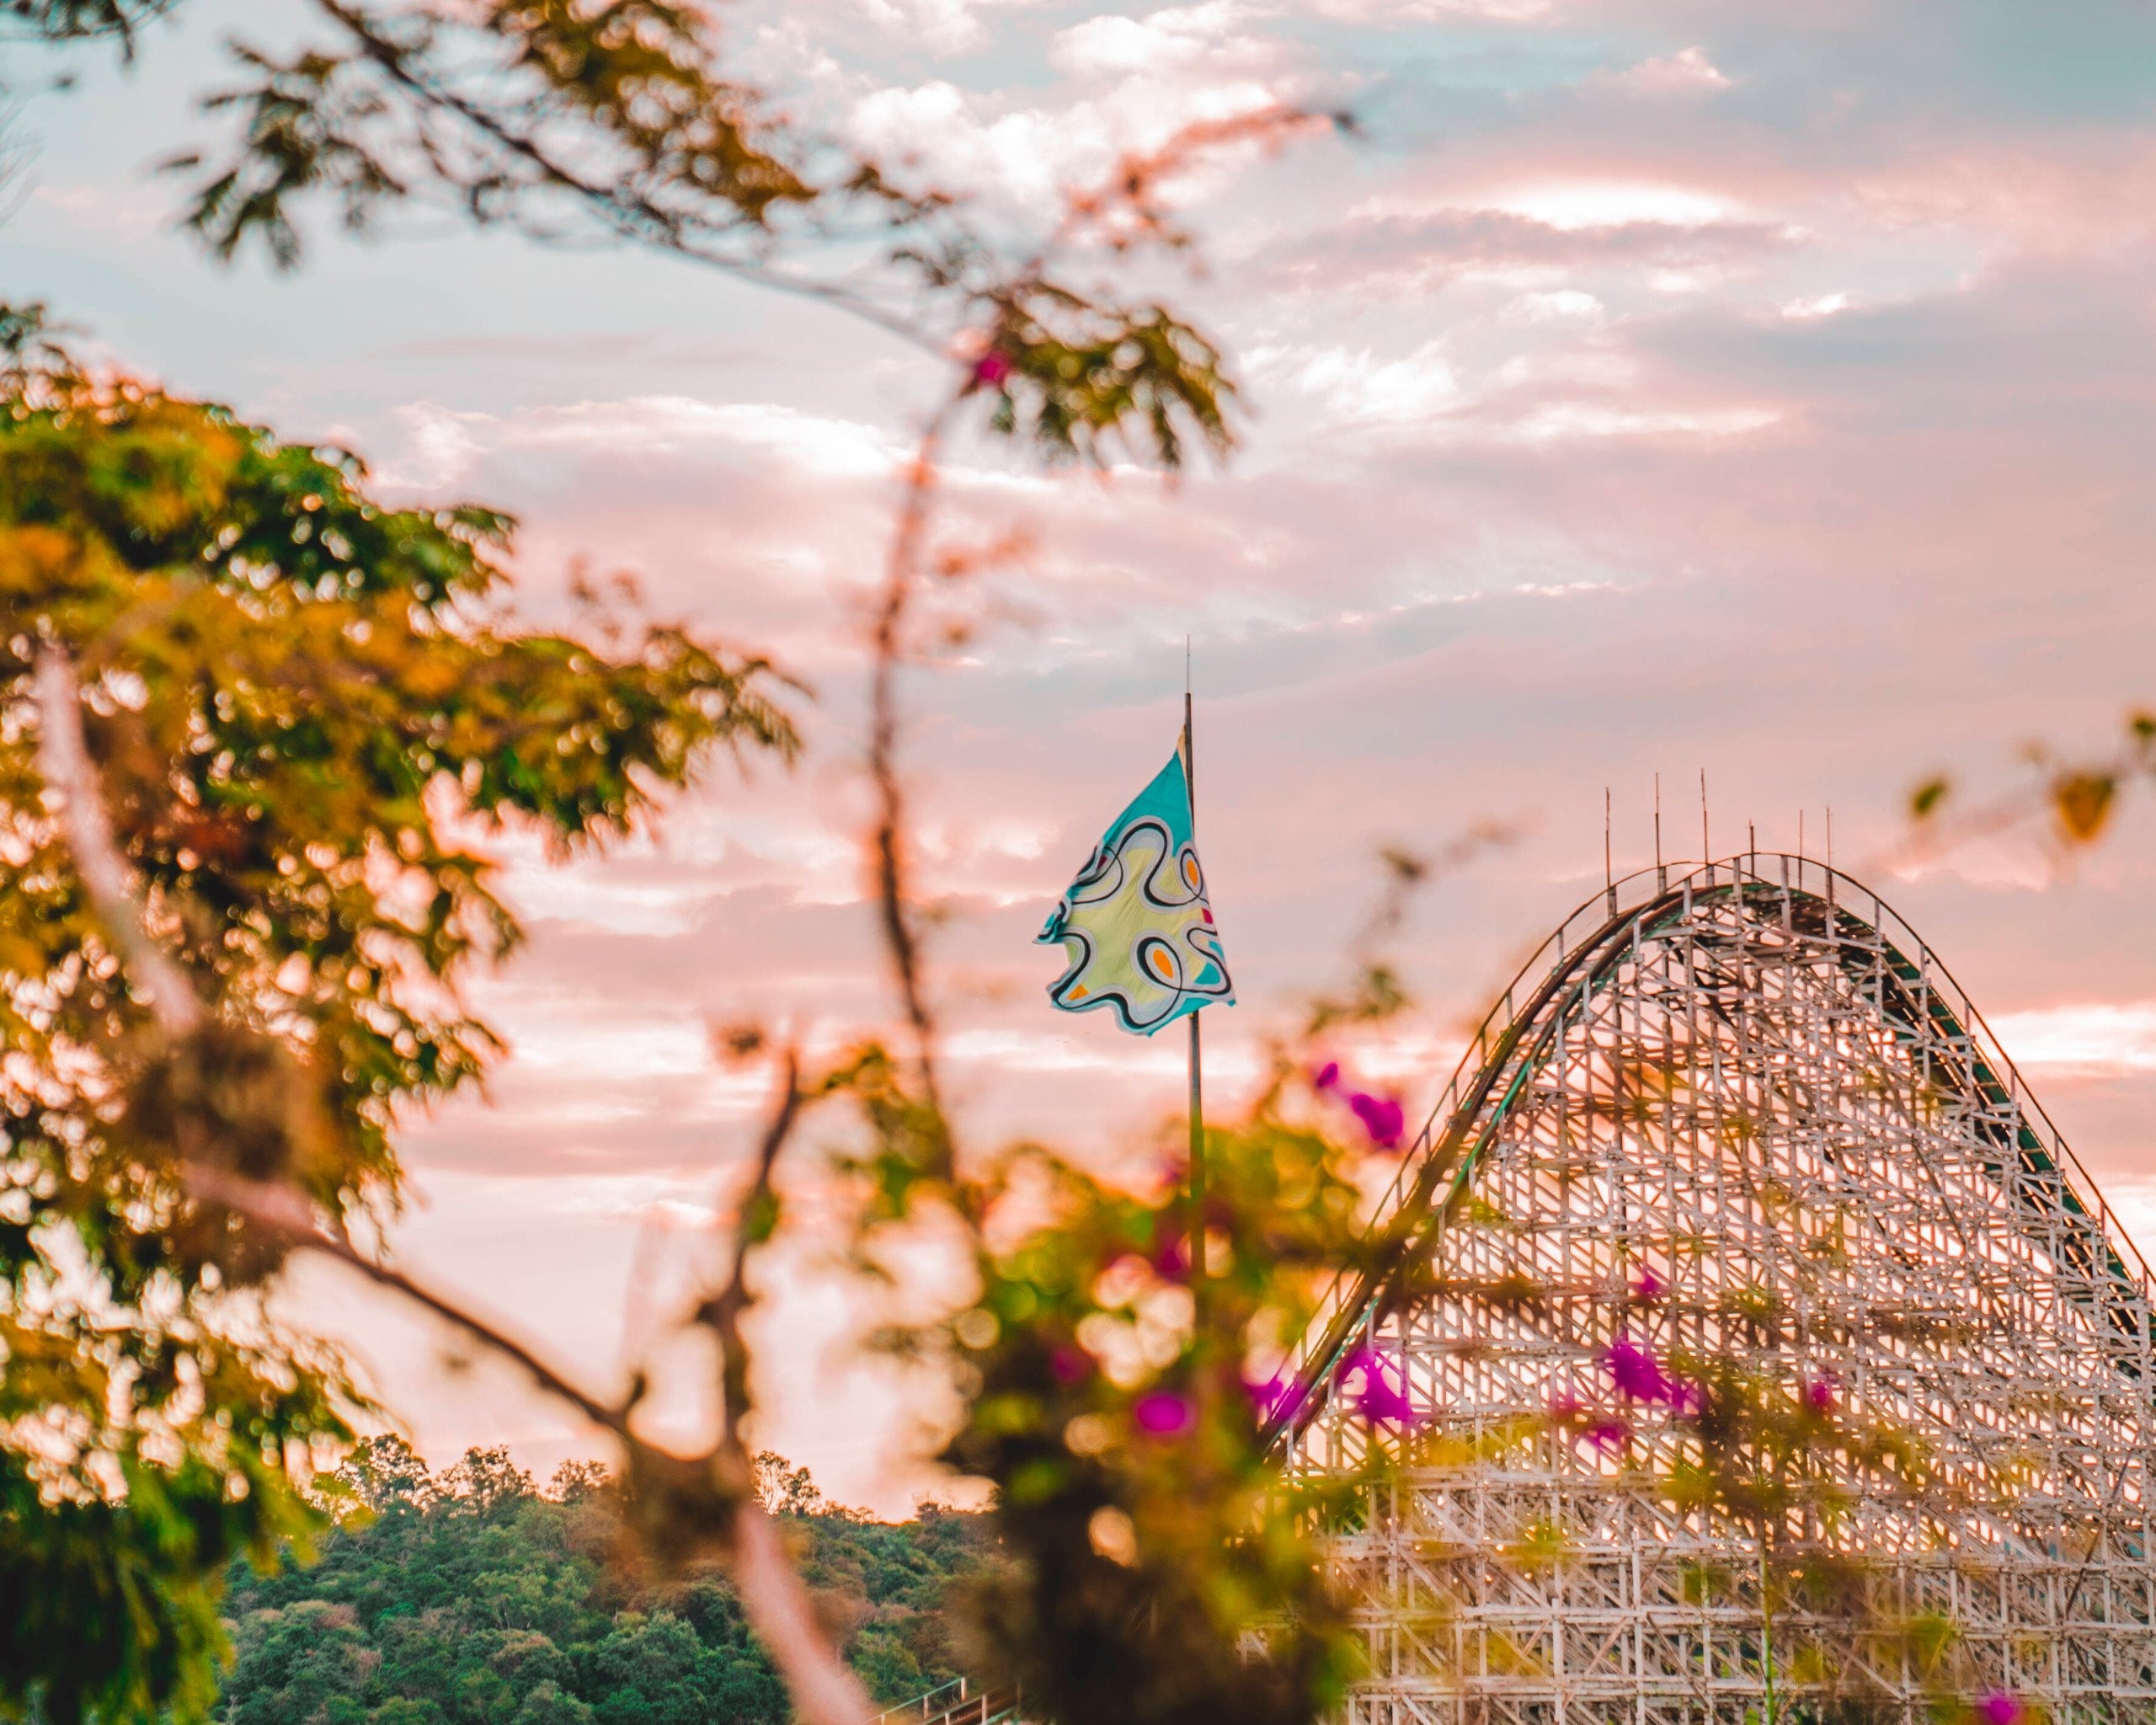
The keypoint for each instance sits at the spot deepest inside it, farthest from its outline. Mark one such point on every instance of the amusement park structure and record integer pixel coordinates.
(1738, 1119)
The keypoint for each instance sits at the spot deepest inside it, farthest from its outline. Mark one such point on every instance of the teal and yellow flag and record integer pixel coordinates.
(1135, 922)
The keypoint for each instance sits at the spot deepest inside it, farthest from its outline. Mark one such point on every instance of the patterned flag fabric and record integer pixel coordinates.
(1135, 922)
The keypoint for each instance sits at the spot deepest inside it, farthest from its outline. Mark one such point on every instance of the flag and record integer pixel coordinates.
(1135, 922)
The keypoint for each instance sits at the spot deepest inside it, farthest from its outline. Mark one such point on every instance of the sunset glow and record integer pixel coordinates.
(1638, 389)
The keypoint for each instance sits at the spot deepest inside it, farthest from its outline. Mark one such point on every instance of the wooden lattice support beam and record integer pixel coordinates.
(1752, 1084)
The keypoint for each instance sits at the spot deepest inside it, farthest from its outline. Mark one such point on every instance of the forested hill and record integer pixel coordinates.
(474, 1598)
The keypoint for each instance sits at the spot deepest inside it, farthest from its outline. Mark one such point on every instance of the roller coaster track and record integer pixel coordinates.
(1578, 958)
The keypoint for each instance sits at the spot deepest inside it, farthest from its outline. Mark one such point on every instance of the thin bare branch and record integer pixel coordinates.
(1133, 186)
(723, 1313)
(280, 1211)
(285, 1216)
(778, 1605)
(629, 215)
(778, 1608)
(825, 1689)
(901, 580)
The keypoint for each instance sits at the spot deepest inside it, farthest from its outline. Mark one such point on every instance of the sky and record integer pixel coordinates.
(1646, 387)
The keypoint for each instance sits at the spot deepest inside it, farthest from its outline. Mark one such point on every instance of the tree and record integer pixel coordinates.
(489, 1485)
(489, 1615)
(784, 1489)
(298, 701)
(546, 1705)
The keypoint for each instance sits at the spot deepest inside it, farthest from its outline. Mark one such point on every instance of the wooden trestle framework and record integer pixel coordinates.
(1740, 1112)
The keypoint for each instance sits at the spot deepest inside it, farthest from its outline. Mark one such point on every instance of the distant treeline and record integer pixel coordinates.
(473, 1598)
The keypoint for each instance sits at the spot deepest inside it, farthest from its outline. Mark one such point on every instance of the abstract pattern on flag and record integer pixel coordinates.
(1135, 922)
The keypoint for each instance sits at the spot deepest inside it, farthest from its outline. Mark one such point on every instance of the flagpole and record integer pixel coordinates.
(1196, 1228)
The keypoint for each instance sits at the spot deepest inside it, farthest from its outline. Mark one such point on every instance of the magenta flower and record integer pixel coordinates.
(1382, 1116)
(1379, 1397)
(1819, 1395)
(1380, 1400)
(1164, 1414)
(1636, 1372)
(1610, 1433)
(1170, 1258)
(1997, 1708)
(1649, 1287)
(991, 368)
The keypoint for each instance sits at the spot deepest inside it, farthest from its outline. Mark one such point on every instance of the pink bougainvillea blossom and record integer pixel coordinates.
(1170, 1258)
(1635, 1371)
(1382, 1116)
(992, 369)
(1162, 1413)
(1819, 1395)
(1608, 1434)
(1638, 1373)
(1379, 1397)
(1997, 1708)
(1649, 1288)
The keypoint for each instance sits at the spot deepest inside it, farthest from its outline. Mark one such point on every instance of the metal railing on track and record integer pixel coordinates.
(958, 1703)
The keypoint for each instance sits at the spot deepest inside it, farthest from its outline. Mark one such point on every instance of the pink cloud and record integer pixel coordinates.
(1686, 72)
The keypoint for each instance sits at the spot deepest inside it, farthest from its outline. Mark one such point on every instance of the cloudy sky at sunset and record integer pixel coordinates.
(1645, 387)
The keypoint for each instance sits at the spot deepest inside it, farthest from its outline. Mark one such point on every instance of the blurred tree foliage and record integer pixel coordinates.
(1120, 1403)
(1121, 1408)
(1125, 1410)
(305, 708)
(472, 1597)
(573, 122)
(2069, 800)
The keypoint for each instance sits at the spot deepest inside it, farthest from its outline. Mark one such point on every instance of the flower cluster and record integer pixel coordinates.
(1383, 1117)
(1639, 1375)
(1376, 1396)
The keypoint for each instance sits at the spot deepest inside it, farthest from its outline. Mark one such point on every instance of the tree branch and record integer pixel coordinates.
(628, 214)
(825, 1689)
(901, 578)
(722, 1314)
(64, 758)
(778, 1605)
(288, 1217)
